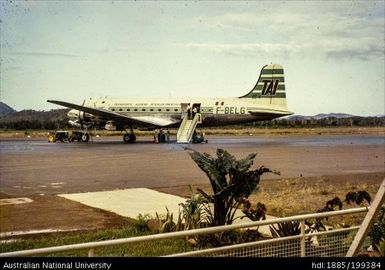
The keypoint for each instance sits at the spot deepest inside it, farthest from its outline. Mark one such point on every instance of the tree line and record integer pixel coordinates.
(31, 119)
(358, 121)
(57, 119)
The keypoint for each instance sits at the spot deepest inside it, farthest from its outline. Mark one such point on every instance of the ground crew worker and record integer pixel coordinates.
(168, 135)
(161, 136)
(156, 135)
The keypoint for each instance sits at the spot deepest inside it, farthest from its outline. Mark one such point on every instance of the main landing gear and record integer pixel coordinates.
(85, 137)
(129, 137)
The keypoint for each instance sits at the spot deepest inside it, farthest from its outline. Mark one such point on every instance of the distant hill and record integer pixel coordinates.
(32, 115)
(321, 116)
(31, 119)
(330, 119)
(335, 115)
(5, 109)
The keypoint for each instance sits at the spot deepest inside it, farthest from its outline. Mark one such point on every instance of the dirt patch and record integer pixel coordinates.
(295, 196)
(56, 213)
(271, 186)
(282, 197)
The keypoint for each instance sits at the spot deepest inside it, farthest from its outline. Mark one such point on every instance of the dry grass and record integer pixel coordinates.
(288, 197)
(253, 131)
(244, 131)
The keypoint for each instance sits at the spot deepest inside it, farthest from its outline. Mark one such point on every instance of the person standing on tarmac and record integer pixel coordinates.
(168, 135)
(161, 136)
(156, 132)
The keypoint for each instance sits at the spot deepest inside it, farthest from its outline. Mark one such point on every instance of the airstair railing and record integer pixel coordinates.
(192, 126)
(181, 127)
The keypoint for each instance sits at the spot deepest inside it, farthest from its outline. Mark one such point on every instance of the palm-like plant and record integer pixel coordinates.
(231, 182)
(283, 229)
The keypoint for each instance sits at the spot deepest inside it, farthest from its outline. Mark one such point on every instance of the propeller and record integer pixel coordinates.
(80, 116)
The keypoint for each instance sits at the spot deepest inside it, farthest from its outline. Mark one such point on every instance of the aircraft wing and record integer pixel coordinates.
(110, 115)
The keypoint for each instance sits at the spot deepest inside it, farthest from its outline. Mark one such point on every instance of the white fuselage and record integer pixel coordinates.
(214, 111)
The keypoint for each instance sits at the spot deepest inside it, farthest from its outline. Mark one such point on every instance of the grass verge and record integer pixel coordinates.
(143, 249)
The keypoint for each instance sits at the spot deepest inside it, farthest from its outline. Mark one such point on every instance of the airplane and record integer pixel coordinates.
(265, 101)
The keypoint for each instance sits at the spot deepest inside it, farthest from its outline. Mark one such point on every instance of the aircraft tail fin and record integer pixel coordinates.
(270, 85)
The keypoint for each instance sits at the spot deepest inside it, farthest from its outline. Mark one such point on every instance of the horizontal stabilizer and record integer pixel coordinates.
(271, 112)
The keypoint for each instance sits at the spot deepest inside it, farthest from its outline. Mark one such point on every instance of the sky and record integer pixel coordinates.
(332, 51)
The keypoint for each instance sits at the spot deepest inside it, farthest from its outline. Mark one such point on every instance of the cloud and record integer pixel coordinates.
(333, 30)
(44, 54)
(248, 49)
(362, 49)
(341, 49)
(321, 18)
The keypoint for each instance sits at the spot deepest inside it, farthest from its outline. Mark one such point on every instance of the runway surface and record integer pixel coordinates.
(29, 167)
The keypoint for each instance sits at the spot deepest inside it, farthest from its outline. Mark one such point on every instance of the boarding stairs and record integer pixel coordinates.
(187, 128)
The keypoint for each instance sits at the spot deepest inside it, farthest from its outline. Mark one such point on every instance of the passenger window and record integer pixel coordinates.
(120, 109)
(136, 110)
(143, 110)
(152, 110)
(216, 103)
(113, 109)
(128, 110)
(175, 110)
(222, 103)
(159, 110)
(168, 110)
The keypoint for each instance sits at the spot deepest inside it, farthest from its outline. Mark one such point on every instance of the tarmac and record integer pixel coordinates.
(106, 179)
(33, 167)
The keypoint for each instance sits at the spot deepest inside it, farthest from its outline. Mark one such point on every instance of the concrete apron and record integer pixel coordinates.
(132, 202)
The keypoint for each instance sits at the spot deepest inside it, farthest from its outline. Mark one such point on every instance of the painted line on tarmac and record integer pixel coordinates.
(15, 201)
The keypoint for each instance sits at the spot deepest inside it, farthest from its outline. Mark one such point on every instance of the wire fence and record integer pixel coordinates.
(330, 243)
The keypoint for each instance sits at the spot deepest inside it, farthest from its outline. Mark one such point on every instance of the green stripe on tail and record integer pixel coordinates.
(271, 83)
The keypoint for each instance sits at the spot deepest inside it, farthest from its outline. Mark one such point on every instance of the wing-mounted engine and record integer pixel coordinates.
(81, 119)
(86, 117)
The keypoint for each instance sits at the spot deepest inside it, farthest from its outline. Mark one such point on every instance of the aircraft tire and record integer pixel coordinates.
(85, 137)
(129, 138)
(126, 138)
